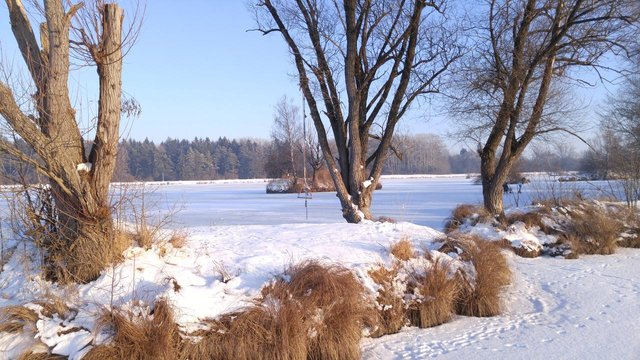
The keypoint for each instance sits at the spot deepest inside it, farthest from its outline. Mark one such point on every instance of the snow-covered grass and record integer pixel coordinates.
(555, 309)
(551, 307)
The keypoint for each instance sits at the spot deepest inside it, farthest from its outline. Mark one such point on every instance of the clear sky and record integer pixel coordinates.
(196, 71)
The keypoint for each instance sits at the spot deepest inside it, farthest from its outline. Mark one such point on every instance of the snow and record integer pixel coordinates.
(279, 185)
(86, 167)
(239, 238)
(555, 309)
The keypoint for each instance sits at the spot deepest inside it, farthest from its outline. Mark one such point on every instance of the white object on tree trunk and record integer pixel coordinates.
(84, 167)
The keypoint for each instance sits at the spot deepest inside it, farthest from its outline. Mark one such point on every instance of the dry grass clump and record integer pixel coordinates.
(333, 301)
(437, 292)
(480, 295)
(465, 212)
(402, 249)
(317, 314)
(631, 239)
(271, 330)
(592, 232)
(178, 239)
(40, 356)
(530, 220)
(145, 336)
(527, 252)
(524, 250)
(630, 226)
(391, 313)
(13, 319)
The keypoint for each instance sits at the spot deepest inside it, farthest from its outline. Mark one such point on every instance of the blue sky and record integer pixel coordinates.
(196, 71)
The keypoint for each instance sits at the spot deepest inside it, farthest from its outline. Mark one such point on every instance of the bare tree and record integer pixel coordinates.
(287, 130)
(525, 54)
(622, 121)
(361, 65)
(79, 180)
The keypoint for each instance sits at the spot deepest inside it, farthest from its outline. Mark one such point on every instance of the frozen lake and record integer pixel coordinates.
(424, 201)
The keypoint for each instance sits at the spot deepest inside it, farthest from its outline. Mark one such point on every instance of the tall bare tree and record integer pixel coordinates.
(361, 65)
(287, 130)
(622, 121)
(524, 48)
(79, 180)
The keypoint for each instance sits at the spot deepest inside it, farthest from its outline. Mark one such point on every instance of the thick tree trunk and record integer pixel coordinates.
(492, 194)
(89, 242)
(82, 242)
(493, 179)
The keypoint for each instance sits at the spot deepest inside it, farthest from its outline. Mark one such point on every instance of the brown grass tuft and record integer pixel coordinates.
(632, 240)
(481, 296)
(438, 292)
(13, 319)
(143, 237)
(150, 336)
(526, 252)
(40, 356)
(54, 306)
(463, 213)
(332, 299)
(391, 314)
(592, 232)
(271, 330)
(402, 249)
(178, 239)
(317, 314)
(530, 219)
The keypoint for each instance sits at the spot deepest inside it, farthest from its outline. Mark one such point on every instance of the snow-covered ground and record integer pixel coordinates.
(555, 308)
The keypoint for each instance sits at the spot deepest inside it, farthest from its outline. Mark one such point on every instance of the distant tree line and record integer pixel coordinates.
(207, 159)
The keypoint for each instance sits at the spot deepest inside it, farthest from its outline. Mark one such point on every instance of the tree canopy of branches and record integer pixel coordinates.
(79, 180)
(621, 122)
(511, 80)
(361, 64)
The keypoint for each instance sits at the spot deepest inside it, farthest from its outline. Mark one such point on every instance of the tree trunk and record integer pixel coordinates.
(492, 194)
(81, 242)
(84, 216)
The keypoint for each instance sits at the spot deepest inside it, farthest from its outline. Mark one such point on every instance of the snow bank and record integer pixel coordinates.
(221, 270)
